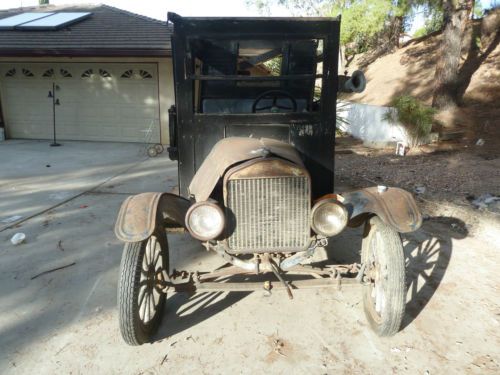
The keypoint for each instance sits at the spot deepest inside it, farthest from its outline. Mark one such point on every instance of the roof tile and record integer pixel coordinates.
(108, 31)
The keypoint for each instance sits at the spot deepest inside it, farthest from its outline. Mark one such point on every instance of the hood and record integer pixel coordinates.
(230, 151)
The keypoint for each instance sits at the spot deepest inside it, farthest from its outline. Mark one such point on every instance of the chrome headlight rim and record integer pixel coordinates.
(198, 205)
(321, 203)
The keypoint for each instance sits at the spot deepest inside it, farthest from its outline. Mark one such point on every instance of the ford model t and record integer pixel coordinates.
(253, 132)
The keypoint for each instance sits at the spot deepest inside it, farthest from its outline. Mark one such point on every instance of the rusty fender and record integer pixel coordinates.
(139, 213)
(396, 207)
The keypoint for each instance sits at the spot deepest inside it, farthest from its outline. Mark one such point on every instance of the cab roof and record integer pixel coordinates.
(307, 26)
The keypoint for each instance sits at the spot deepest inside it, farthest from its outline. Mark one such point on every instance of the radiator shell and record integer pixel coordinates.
(268, 204)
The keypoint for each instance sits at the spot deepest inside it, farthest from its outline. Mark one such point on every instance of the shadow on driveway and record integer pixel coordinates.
(35, 177)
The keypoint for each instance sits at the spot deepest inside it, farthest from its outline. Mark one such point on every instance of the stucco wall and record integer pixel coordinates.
(165, 78)
(366, 122)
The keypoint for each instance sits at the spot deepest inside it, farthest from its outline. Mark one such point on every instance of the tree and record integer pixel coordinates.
(433, 20)
(297, 7)
(362, 20)
(456, 14)
(366, 24)
(43, 2)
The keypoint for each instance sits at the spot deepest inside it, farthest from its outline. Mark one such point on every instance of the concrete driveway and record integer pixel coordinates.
(66, 321)
(35, 177)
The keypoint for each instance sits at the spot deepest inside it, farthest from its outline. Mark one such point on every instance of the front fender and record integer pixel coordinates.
(138, 215)
(395, 207)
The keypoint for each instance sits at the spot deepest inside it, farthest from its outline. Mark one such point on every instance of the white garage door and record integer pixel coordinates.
(98, 102)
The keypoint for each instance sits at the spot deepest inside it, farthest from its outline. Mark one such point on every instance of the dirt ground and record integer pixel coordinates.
(455, 176)
(66, 321)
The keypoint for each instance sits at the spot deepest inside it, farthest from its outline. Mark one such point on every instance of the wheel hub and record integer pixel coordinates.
(151, 277)
(374, 278)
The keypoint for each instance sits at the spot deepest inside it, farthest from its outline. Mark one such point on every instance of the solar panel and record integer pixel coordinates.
(55, 21)
(11, 22)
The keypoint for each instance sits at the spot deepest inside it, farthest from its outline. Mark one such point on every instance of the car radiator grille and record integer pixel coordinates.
(269, 214)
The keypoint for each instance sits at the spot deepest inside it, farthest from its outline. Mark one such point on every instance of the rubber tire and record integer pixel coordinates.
(152, 152)
(159, 148)
(133, 330)
(392, 260)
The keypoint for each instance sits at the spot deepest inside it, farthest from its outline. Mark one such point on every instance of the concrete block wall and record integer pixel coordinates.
(366, 122)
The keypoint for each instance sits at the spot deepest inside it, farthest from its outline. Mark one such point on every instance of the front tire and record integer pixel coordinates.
(384, 290)
(140, 298)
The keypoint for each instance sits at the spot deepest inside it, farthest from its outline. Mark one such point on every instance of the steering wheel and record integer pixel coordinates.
(274, 107)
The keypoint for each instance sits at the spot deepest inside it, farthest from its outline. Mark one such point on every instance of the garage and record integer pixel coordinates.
(108, 102)
(106, 76)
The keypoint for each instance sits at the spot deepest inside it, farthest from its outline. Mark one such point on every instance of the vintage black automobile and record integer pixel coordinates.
(253, 130)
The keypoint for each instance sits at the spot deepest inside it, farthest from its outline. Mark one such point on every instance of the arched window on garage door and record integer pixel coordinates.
(89, 73)
(11, 72)
(65, 73)
(144, 74)
(49, 73)
(104, 73)
(140, 74)
(27, 73)
(128, 74)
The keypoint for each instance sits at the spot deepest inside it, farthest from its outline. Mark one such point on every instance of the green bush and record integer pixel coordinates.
(416, 118)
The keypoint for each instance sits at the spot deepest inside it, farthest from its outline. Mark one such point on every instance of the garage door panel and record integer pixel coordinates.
(102, 130)
(93, 107)
(24, 107)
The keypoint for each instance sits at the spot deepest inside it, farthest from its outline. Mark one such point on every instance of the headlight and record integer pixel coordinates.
(205, 221)
(329, 217)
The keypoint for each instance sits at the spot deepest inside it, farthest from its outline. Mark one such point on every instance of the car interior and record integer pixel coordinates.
(255, 76)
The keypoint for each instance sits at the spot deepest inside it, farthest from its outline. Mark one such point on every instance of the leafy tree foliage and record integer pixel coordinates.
(433, 22)
(297, 7)
(365, 23)
(362, 21)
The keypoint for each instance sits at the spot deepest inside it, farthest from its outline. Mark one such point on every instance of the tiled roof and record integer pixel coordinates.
(108, 31)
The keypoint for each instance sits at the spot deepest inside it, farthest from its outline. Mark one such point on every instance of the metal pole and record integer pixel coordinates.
(54, 143)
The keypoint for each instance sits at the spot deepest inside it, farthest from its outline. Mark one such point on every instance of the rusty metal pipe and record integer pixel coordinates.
(244, 264)
(298, 258)
(253, 286)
